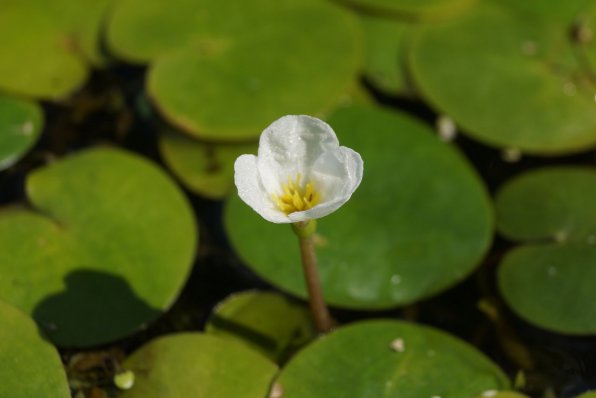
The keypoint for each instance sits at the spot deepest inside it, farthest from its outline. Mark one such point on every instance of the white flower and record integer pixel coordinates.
(300, 173)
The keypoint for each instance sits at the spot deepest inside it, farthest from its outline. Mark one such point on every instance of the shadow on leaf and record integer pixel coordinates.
(95, 308)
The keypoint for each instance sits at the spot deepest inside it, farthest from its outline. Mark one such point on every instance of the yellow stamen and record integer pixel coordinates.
(295, 197)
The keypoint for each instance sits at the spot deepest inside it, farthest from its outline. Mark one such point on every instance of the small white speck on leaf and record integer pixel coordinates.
(489, 393)
(398, 345)
(27, 128)
(511, 155)
(396, 279)
(446, 128)
(276, 391)
(561, 236)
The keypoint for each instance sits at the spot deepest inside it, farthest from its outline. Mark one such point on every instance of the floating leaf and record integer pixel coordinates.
(550, 280)
(501, 394)
(267, 321)
(222, 75)
(588, 394)
(205, 168)
(511, 81)
(418, 9)
(559, 11)
(40, 59)
(198, 365)
(384, 66)
(389, 359)
(20, 126)
(105, 250)
(83, 21)
(421, 220)
(29, 365)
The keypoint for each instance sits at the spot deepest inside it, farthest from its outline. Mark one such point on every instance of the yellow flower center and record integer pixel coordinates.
(295, 197)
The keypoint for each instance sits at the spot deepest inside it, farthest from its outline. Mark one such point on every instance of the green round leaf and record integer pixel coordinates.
(222, 74)
(140, 31)
(389, 359)
(551, 203)
(511, 81)
(20, 126)
(421, 220)
(559, 11)
(588, 394)
(205, 168)
(41, 58)
(501, 394)
(105, 249)
(550, 281)
(552, 286)
(267, 321)
(29, 365)
(384, 66)
(419, 9)
(198, 365)
(83, 21)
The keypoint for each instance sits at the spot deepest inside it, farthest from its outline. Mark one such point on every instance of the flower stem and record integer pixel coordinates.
(318, 308)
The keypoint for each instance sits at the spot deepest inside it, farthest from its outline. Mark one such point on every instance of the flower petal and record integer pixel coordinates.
(338, 189)
(252, 192)
(291, 145)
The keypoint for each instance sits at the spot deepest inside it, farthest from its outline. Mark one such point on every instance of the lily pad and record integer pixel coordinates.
(412, 9)
(83, 21)
(205, 168)
(389, 359)
(267, 321)
(105, 249)
(29, 365)
(223, 74)
(523, 87)
(40, 59)
(421, 219)
(501, 394)
(588, 394)
(549, 281)
(562, 11)
(385, 62)
(198, 365)
(20, 126)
